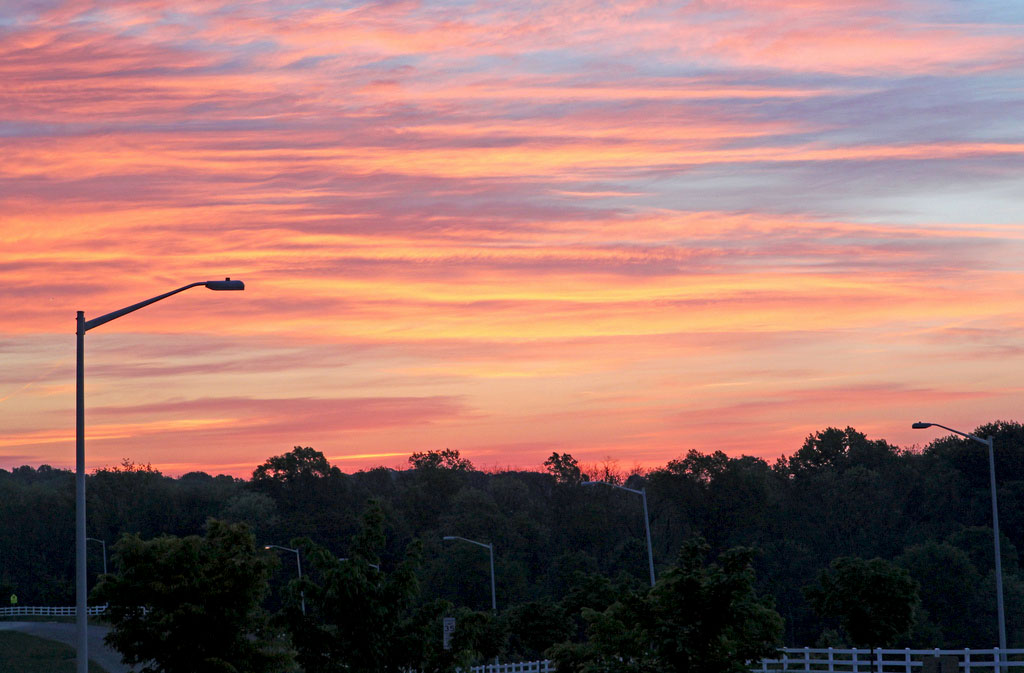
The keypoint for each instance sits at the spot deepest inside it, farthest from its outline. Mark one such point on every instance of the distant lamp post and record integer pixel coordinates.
(81, 618)
(647, 520)
(298, 563)
(375, 566)
(995, 526)
(96, 539)
(490, 548)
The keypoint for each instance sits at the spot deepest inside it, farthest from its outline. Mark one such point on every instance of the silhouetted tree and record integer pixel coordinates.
(700, 617)
(301, 463)
(874, 601)
(447, 459)
(564, 468)
(192, 604)
(357, 609)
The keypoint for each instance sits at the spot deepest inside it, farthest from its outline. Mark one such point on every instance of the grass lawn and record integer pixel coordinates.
(21, 653)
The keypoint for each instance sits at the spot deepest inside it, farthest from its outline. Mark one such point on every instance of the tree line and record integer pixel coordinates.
(848, 541)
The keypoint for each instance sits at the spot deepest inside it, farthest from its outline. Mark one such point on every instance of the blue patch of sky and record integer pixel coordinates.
(976, 11)
(198, 124)
(912, 110)
(903, 191)
(392, 64)
(994, 203)
(194, 21)
(306, 63)
(542, 62)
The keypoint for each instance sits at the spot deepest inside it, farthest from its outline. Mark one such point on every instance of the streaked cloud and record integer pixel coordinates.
(508, 228)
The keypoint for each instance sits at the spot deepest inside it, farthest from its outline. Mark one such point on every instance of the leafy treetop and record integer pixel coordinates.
(447, 459)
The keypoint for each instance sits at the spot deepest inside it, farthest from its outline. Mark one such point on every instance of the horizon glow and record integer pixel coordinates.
(618, 232)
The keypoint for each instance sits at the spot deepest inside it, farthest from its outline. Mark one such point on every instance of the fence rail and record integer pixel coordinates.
(831, 660)
(545, 666)
(34, 611)
(790, 660)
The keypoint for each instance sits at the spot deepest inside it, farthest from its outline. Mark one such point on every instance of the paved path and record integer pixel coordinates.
(65, 633)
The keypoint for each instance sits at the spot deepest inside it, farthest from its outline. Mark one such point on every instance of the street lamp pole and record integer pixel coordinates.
(298, 563)
(647, 519)
(83, 326)
(995, 527)
(96, 539)
(490, 548)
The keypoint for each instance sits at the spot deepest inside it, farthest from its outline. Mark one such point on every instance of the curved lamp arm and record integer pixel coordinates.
(226, 284)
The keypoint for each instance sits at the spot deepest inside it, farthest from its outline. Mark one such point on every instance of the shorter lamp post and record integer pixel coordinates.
(96, 539)
(298, 563)
(995, 527)
(490, 548)
(375, 566)
(647, 519)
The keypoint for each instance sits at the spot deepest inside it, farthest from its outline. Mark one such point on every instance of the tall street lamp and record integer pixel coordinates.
(96, 539)
(490, 548)
(995, 526)
(81, 619)
(647, 519)
(298, 562)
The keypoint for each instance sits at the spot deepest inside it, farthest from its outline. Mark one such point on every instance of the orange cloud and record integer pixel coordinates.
(505, 228)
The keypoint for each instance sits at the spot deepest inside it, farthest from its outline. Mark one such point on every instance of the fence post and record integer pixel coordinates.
(831, 661)
(878, 658)
(967, 660)
(906, 660)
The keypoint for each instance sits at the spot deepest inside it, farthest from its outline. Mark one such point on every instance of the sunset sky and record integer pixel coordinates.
(618, 230)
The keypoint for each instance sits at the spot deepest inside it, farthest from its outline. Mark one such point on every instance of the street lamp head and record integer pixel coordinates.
(449, 537)
(226, 284)
(921, 426)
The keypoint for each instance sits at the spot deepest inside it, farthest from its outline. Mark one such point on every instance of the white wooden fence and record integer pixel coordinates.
(790, 660)
(808, 659)
(545, 666)
(830, 660)
(33, 611)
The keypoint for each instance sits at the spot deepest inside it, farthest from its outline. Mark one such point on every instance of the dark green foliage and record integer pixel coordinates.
(534, 627)
(447, 459)
(37, 536)
(874, 601)
(356, 607)
(953, 597)
(479, 636)
(700, 617)
(311, 497)
(302, 463)
(556, 544)
(192, 604)
(564, 468)
(362, 615)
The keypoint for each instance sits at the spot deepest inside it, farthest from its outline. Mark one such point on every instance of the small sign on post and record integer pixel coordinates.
(449, 629)
(14, 600)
